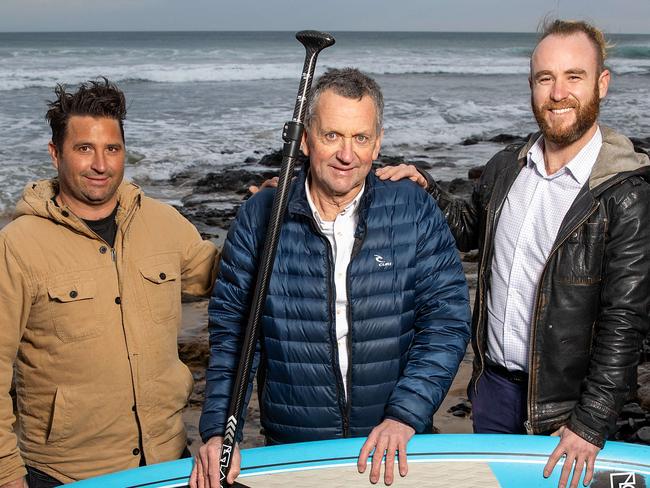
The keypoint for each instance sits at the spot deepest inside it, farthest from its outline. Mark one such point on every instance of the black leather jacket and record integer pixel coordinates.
(593, 300)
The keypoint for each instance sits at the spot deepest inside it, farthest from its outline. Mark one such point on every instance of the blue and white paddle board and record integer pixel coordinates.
(445, 460)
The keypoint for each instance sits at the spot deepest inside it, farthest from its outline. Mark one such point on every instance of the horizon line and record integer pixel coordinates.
(108, 31)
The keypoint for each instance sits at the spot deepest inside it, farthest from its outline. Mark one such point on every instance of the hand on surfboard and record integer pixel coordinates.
(388, 437)
(578, 451)
(205, 473)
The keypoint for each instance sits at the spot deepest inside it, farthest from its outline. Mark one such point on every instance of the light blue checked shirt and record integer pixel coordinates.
(529, 222)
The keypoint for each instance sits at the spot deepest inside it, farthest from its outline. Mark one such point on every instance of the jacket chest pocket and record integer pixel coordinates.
(582, 254)
(73, 308)
(162, 288)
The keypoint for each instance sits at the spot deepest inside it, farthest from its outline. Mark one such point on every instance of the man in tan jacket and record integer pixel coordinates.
(91, 275)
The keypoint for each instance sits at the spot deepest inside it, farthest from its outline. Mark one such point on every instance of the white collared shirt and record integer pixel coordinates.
(340, 234)
(530, 219)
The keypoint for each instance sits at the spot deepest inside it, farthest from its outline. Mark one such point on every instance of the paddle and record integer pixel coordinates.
(314, 43)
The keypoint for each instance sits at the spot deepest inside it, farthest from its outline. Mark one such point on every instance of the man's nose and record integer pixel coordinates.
(345, 153)
(559, 91)
(99, 162)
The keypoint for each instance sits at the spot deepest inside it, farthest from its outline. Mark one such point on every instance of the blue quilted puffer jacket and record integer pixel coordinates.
(408, 315)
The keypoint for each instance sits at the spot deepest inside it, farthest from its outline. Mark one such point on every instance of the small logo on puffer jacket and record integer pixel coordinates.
(381, 262)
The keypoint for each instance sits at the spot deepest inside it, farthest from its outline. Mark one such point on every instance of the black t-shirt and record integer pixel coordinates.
(105, 228)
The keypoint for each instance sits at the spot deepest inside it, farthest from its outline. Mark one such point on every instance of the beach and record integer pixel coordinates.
(199, 102)
(206, 109)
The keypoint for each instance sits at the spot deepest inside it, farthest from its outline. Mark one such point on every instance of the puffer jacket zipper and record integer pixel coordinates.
(358, 241)
(336, 366)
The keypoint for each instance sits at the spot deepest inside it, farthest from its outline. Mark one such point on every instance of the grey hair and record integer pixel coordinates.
(348, 83)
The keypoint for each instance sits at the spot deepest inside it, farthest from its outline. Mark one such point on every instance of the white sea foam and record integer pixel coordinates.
(201, 101)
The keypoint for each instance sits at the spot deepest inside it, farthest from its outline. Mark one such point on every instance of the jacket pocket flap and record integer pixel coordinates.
(159, 273)
(72, 291)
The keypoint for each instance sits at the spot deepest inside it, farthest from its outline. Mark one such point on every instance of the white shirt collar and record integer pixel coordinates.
(350, 209)
(579, 167)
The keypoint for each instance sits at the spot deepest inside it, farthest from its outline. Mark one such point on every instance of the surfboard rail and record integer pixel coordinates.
(449, 460)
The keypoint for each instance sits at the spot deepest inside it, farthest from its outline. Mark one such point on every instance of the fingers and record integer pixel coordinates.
(566, 471)
(389, 466)
(395, 173)
(377, 458)
(211, 466)
(194, 474)
(403, 465)
(235, 466)
(555, 456)
(591, 462)
(270, 183)
(366, 449)
(577, 472)
(401, 171)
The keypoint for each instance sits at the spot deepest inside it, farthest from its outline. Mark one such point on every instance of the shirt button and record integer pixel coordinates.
(73, 294)
(133, 408)
(162, 276)
(65, 213)
(118, 300)
(103, 249)
(136, 451)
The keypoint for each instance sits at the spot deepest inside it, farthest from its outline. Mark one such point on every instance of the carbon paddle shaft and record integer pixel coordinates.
(314, 43)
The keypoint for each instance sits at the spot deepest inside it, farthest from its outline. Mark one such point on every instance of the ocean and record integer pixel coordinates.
(201, 100)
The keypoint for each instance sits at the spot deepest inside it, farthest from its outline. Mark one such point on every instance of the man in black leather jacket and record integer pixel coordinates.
(590, 304)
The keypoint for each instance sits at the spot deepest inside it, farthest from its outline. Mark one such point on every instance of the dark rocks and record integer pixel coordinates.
(509, 139)
(274, 159)
(215, 198)
(504, 139)
(462, 409)
(232, 179)
(470, 141)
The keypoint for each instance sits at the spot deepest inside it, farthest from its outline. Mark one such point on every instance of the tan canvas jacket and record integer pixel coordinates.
(90, 334)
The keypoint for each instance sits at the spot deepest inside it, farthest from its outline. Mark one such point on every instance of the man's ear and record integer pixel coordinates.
(304, 147)
(603, 83)
(377, 148)
(54, 154)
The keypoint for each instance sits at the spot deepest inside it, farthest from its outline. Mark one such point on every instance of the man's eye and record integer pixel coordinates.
(544, 80)
(331, 136)
(362, 139)
(84, 148)
(113, 149)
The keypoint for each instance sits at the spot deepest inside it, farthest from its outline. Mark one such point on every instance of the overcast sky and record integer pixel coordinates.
(614, 16)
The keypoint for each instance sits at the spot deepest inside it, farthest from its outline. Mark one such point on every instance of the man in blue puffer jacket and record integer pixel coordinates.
(367, 315)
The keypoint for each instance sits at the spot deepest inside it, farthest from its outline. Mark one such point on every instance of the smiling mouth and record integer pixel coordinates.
(97, 180)
(560, 111)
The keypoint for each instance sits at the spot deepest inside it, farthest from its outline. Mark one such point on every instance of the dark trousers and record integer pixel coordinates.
(498, 403)
(38, 479)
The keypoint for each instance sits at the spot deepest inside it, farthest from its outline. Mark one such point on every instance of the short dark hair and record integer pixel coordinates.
(560, 27)
(348, 83)
(99, 98)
